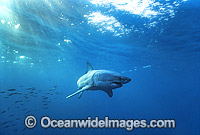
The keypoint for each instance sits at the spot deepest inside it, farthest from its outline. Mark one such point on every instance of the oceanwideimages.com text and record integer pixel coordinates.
(128, 124)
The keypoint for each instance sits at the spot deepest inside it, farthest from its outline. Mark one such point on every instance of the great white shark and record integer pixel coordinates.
(104, 80)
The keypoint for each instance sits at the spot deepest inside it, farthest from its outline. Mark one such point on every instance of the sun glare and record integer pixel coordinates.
(7, 16)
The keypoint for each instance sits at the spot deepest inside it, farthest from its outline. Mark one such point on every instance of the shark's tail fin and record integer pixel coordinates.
(75, 93)
(79, 91)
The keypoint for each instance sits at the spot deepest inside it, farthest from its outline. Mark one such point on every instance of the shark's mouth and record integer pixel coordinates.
(118, 83)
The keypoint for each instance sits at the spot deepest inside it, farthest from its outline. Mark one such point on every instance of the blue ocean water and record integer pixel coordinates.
(45, 46)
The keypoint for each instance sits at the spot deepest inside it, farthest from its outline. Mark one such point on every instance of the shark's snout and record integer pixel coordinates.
(125, 80)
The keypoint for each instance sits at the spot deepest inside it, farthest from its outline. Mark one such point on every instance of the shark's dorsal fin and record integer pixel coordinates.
(109, 92)
(89, 67)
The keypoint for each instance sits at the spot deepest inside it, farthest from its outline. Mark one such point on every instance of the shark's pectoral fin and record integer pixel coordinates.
(109, 92)
(79, 91)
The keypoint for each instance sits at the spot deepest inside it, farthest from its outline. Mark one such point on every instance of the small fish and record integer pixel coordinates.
(11, 94)
(16, 93)
(46, 101)
(45, 98)
(3, 92)
(17, 119)
(43, 101)
(2, 112)
(4, 123)
(11, 89)
(26, 97)
(58, 93)
(31, 88)
(18, 101)
(14, 124)
(6, 126)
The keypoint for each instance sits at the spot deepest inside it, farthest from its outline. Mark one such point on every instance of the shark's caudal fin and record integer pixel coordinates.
(89, 67)
(79, 91)
(75, 93)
